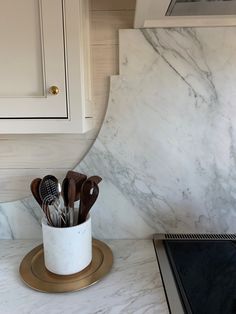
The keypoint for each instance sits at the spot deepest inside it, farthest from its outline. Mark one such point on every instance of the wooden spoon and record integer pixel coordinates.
(34, 187)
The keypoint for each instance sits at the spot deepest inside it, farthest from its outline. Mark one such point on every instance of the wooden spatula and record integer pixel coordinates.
(95, 179)
(89, 195)
(79, 180)
(34, 187)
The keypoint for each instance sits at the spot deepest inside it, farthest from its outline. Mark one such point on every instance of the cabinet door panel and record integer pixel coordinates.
(32, 59)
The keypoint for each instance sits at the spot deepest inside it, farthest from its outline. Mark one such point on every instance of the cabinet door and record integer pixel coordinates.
(32, 59)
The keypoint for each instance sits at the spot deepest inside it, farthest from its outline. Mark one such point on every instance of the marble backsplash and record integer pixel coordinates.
(167, 147)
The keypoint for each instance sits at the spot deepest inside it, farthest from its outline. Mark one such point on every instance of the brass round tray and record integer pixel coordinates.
(36, 276)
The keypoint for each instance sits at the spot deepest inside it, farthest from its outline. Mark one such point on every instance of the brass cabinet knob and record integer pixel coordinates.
(54, 90)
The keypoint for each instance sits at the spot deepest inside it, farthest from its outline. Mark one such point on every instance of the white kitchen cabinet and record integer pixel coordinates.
(44, 66)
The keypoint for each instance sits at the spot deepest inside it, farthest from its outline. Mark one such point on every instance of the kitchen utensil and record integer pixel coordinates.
(47, 213)
(75, 175)
(49, 189)
(79, 180)
(55, 215)
(58, 213)
(34, 187)
(95, 179)
(71, 200)
(64, 193)
(78, 188)
(88, 196)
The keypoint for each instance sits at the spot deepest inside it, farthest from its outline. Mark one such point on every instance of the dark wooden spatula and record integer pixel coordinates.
(95, 179)
(34, 187)
(79, 179)
(88, 196)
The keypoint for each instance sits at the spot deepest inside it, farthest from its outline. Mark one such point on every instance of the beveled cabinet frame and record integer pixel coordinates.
(79, 118)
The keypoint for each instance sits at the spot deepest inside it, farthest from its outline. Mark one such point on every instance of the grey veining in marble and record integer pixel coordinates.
(20, 220)
(133, 285)
(167, 147)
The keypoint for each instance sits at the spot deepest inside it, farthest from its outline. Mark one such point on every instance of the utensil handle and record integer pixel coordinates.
(71, 216)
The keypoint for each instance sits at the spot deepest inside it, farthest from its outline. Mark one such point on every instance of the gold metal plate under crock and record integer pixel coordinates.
(35, 275)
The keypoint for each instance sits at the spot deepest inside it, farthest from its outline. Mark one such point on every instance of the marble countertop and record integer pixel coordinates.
(133, 286)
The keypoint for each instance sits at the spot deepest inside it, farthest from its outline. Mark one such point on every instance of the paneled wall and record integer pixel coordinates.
(23, 157)
(107, 17)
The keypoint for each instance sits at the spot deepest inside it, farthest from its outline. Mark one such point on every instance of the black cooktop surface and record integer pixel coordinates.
(205, 272)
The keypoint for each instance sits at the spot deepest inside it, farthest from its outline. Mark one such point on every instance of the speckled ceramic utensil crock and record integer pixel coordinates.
(67, 250)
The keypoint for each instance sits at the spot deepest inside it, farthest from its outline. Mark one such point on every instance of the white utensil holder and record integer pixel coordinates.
(67, 250)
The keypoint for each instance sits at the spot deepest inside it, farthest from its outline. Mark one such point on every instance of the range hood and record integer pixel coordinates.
(184, 13)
